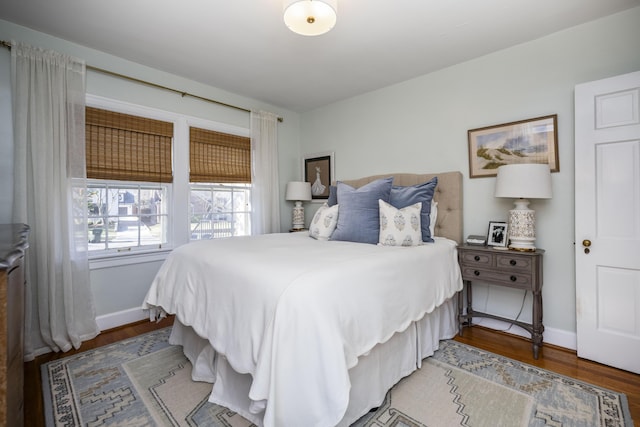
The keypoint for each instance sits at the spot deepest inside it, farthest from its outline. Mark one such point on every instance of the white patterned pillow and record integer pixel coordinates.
(400, 227)
(324, 222)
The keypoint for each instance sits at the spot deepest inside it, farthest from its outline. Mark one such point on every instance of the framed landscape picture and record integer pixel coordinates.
(318, 170)
(525, 141)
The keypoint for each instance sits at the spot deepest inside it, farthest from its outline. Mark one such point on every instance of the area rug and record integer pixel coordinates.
(145, 381)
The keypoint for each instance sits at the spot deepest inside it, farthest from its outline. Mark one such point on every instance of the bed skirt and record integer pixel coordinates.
(376, 372)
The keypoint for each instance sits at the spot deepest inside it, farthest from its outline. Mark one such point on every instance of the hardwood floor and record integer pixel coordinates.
(552, 358)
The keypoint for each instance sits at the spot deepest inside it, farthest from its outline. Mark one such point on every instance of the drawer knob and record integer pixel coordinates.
(477, 258)
(513, 278)
(513, 262)
(477, 273)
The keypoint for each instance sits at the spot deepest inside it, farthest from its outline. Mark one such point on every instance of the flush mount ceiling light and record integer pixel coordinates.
(310, 17)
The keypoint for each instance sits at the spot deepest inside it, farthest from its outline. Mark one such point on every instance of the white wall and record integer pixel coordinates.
(119, 290)
(421, 126)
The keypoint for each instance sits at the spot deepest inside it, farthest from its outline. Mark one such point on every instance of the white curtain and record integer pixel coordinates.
(265, 194)
(48, 95)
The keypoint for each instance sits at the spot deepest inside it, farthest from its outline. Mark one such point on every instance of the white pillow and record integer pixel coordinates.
(324, 222)
(400, 227)
(433, 217)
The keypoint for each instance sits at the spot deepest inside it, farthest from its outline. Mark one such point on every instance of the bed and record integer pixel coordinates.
(312, 332)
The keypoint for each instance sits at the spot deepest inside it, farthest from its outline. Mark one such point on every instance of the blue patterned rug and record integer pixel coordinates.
(144, 381)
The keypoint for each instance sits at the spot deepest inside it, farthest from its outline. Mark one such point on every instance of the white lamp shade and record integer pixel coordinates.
(298, 191)
(524, 180)
(310, 17)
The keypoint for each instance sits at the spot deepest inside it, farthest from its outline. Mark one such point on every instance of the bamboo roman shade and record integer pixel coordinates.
(127, 148)
(218, 157)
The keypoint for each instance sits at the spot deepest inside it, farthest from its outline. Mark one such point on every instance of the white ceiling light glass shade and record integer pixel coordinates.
(310, 17)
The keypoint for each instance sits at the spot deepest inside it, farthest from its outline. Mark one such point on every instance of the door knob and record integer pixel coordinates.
(586, 243)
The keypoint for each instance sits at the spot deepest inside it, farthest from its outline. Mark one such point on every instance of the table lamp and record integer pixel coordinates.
(523, 181)
(298, 191)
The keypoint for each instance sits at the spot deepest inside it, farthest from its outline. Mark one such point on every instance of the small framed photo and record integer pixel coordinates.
(525, 141)
(497, 235)
(318, 170)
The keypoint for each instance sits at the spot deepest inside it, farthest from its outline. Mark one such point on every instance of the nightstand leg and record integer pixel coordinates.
(537, 326)
(462, 317)
(469, 302)
(460, 311)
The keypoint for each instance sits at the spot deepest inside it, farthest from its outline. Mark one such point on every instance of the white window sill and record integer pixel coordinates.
(116, 260)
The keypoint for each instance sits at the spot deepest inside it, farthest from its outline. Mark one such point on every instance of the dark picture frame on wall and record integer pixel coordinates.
(318, 170)
(525, 141)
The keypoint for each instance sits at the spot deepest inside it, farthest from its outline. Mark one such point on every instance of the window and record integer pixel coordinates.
(220, 176)
(123, 216)
(219, 210)
(156, 179)
(129, 172)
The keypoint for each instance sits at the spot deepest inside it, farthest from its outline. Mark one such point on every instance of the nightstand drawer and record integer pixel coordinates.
(510, 261)
(513, 279)
(475, 258)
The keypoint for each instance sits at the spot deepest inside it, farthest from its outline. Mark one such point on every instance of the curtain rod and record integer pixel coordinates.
(155, 85)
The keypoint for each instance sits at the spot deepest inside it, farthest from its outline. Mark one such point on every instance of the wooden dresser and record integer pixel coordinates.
(13, 244)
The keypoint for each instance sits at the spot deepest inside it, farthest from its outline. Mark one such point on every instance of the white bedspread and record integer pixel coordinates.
(296, 313)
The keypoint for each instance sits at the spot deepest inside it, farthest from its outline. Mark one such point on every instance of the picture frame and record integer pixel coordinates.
(525, 141)
(318, 170)
(498, 234)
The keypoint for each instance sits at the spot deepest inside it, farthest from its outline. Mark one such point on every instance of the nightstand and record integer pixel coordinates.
(521, 270)
(297, 230)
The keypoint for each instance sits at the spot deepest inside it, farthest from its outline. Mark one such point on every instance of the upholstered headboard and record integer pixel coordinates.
(448, 195)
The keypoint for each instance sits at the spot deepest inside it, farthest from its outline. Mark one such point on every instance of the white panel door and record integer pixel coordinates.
(607, 172)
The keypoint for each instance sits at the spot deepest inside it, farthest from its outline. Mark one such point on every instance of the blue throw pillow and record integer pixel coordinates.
(333, 196)
(406, 196)
(359, 213)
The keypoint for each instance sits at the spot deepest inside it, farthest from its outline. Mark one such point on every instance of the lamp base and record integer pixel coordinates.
(522, 245)
(522, 227)
(298, 216)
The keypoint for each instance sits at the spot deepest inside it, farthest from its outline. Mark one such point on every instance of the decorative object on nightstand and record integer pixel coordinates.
(298, 191)
(523, 181)
(498, 234)
(476, 240)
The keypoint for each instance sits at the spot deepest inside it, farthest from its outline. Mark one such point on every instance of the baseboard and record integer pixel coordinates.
(119, 318)
(107, 321)
(44, 349)
(557, 337)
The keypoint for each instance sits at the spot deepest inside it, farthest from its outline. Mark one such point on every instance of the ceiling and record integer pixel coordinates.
(243, 46)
